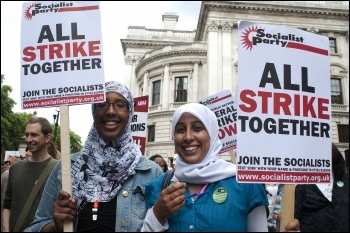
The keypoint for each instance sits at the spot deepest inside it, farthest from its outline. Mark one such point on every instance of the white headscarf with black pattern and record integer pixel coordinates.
(100, 171)
(211, 168)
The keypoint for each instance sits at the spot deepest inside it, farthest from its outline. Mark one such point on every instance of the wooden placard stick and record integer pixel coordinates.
(287, 205)
(65, 158)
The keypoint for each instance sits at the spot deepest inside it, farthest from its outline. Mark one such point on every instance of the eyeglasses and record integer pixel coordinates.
(118, 106)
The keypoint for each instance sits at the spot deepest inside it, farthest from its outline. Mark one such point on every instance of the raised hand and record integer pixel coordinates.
(169, 201)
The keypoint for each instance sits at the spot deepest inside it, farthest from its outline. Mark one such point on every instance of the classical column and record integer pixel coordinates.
(133, 83)
(128, 71)
(212, 58)
(220, 58)
(145, 83)
(203, 79)
(190, 86)
(195, 82)
(227, 75)
(234, 51)
(165, 94)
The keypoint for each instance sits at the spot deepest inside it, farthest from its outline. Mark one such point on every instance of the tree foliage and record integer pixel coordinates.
(75, 140)
(13, 124)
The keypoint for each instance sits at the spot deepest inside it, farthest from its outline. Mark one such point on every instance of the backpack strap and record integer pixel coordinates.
(167, 177)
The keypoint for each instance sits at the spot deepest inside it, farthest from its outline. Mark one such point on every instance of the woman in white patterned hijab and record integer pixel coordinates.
(108, 175)
(109, 155)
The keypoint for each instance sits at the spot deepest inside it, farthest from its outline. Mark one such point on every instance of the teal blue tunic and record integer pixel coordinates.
(206, 213)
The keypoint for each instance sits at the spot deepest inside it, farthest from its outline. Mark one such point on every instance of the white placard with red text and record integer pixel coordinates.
(222, 104)
(284, 109)
(139, 122)
(61, 54)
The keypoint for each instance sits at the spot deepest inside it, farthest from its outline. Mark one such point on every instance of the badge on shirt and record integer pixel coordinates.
(220, 195)
(340, 183)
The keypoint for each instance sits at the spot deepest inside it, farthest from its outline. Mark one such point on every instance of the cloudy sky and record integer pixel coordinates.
(116, 17)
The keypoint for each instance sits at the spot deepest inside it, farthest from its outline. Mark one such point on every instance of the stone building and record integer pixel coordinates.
(174, 67)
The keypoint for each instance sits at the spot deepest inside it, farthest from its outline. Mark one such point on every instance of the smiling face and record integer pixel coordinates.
(35, 139)
(192, 141)
(111, 122)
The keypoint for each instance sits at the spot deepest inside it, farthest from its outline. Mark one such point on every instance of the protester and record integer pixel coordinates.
(28, 154)
(7, 164)
(24, 175)
(4, 166)
(4, 178)
(204, 195)
(158, 159)
(52, 149)
(109, 174)
(324, 207)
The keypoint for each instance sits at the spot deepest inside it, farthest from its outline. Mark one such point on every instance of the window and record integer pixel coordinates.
(343, 133)
(151, 133)
(332, 45)
(156, 93)
(336, 94)
(181, 86)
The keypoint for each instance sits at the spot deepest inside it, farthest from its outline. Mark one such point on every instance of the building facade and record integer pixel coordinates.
(174, 67)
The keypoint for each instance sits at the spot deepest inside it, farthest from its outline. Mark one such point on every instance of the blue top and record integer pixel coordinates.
(130, 209)
(206, 213)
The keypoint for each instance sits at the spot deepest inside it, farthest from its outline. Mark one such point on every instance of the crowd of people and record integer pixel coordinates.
(116, 188)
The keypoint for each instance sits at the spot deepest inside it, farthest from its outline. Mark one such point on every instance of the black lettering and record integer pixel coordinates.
(46, 33)
(59, 35)
(273, 79)
(288, 85)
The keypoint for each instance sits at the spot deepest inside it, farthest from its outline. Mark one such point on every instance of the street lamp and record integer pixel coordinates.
(55, 120)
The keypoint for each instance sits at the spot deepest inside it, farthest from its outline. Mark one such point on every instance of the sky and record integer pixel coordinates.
(116, 17)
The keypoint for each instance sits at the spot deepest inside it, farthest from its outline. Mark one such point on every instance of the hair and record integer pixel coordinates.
(46, 127)
(154, 157)
(52, 150)
(338, 162)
